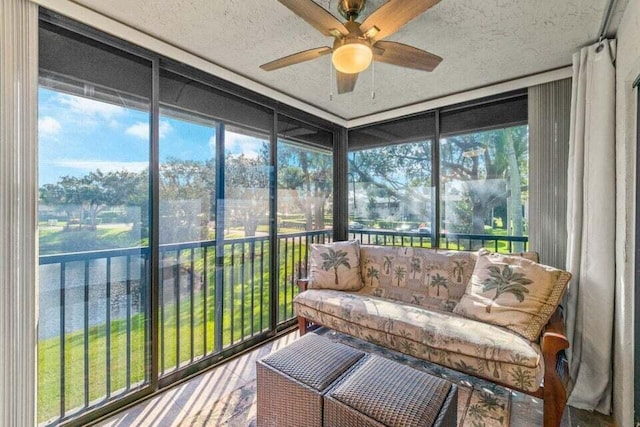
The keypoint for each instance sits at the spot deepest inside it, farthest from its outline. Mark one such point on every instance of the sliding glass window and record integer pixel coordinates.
(391, 187)
(214, 220)
(484, 189)
(484, 170)
(94, 149)
(305, 191)
(187, 207)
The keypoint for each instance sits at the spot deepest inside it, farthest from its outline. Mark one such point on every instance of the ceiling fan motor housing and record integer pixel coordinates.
(350, 9)
(355, 36)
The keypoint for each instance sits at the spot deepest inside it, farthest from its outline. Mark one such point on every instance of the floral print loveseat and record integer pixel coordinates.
(407, 304)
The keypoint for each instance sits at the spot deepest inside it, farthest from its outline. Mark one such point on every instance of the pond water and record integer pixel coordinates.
(50, 310)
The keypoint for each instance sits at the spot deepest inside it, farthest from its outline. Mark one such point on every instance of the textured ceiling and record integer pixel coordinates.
(482, 42)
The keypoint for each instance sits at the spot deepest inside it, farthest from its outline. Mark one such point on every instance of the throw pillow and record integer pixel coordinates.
(336, 266)
(513, 292)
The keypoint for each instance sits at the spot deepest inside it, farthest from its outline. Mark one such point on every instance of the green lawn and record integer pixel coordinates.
(54, 240)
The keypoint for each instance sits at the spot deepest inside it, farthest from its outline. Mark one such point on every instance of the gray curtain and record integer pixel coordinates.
(549, 123)
(591, 227)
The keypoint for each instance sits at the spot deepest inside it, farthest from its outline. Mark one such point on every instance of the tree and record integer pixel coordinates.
(187, 180)
(94, 192)
(335, 259)
(514, 189)
(505, 281)
(479, 172)
(394, 176)
(246, 191)
(187, 199)
(306, 178)
(55, 195)
(477, 165)
(471, 168)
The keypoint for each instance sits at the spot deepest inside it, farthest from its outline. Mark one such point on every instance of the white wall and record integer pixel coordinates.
(627, 69)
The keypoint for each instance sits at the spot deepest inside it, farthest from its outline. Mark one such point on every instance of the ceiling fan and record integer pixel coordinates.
(357, 44)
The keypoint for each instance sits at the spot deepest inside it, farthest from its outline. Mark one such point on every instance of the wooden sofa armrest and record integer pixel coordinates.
(556, 372)
(555, 327)
(554, 340)
(303, 324)
(302, 284)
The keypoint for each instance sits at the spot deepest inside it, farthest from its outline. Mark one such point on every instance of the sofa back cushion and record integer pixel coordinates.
(335, 266)
(430, 278)
(513, 292)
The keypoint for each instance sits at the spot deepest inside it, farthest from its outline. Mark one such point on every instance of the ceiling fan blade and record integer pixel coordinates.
(392, 15)
(405, 56)
(315, 15)
(346, 82)
(296, 58)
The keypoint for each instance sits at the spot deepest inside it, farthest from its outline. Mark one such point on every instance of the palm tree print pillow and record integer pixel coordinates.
(336, 266)
(513, 292)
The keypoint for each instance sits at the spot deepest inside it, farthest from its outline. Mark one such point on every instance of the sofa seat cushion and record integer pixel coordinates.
(447, 339)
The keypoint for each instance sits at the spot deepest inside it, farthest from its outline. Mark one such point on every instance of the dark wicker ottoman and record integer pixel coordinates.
(291, 381)
(381, 392)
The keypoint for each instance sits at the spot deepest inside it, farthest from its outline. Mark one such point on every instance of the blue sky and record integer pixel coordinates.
(79, 135)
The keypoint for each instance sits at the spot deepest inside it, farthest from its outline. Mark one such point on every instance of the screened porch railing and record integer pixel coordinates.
(96, 312)
(453, 241)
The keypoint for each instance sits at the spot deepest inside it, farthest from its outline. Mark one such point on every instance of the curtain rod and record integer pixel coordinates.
(606, 20)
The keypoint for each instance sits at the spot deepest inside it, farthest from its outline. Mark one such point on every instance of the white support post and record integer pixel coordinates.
(18, 216)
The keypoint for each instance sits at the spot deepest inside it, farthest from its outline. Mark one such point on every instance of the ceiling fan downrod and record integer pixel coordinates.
(351, 9)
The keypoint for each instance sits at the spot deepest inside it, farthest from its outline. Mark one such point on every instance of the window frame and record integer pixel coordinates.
(636, 321)
(495, 112)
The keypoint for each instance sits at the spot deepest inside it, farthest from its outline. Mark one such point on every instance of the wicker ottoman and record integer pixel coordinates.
(381, 392)
(291, 381)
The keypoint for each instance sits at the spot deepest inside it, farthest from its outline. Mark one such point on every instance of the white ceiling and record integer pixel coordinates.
(482, 42)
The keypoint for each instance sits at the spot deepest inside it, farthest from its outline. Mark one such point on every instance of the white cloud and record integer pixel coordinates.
(90, 107)
(103, 165)
(164, 128)
(238, 144)
(141, 130)
(49, 126)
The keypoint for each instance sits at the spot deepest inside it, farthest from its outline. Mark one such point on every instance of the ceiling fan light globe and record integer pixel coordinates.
(352, 58)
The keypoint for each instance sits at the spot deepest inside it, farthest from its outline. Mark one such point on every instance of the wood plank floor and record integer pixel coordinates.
(223, 396)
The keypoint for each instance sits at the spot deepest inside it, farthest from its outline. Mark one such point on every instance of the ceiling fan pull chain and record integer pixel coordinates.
(330, 79)
(373, 80)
